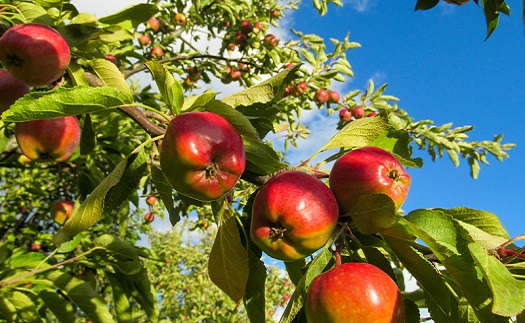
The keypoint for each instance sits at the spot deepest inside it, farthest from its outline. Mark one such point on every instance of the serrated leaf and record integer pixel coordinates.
(117, 246)
(197, 101)
(234, 117)
(7, 309)
(119, 296)
(25, 307)
(397, 142)
(27, 260)
(58, 305)
(483, 220)
(169, 88)
(34, 13)
(261, 159)
(295, 270)
(373, 213)
(263, 92)
(254, 299)
(131, 17)
(358, 133)
(165, 192)
(111, 76)
(92, 208)
(228, 266)
(87, 136)
(64, 102)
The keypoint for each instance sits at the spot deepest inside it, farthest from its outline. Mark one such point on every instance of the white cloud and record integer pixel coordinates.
(102, 8)
(361, 5)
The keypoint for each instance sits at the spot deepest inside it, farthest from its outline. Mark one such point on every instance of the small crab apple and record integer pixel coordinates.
(358, 112)
(35, 54)
(270, 41)
(61, 211)
(354, 292)
(334, 97)
(149, 217)
(180, 19)
(153, 24)
(156, 52)
(372, 114)
(151, 200)
(246, 27)
(368, 170)
(275, 13)
(111, 58)
(202, 155)
(345, 115)
(194, 73)
(259, 25)
(235, 74)
(11, 89)
(293, 215)
(48, 140)
(35, 246)
(240, 38)
(322, 95)
(144, 40)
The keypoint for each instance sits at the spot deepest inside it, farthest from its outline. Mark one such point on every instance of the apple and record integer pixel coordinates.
(231, 46)
(202, 155)
(290, 89)
(35, 54)
(194, 73)
(240, 38)
(358, 112)
(372, 114)
(322, 96)
(345, 115)
(235, 74)
(368, 170)
(270, 41)
(151, 200)
(246, 27)
(149, 217)
(48, 140)
(333, 97)
(153, 24)
(61, 211)
(293, 215)
(156, 52)
(11, 89)
(35, 246)
(275, 13)
(259, 25)
(144, 40)
(354, 293)
(180, 19)
(111, 58)
(302, 87)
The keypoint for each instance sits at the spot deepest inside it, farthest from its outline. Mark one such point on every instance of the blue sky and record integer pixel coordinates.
(439, 65)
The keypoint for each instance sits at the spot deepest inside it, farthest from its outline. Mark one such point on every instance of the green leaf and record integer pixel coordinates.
(120, 300)
(64, 102)
(254, 299)
(358, 133)
(237, 119)
(261, 159)
(397, 142)
(27, 260)
(295, 270)
(483, 220)
(169, 88)
(111, 76)
(165, 192)
(263, 92)
(56, 303)
(426, 4)
(118, 247)
(131, 17)
(87, 136)
(197, 101)
(228, 265)
(25, 307)
(7, 309)
(34, 14)
(92, 209)
(373, 213)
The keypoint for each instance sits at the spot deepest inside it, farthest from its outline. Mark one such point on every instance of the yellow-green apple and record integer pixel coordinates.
(48, 140)
(345, 115)
(180, 19)
(35, 54)
(202, 155)
(61, 211)
(368, 170)
(354, 293)
(293, 215)
(11, 89)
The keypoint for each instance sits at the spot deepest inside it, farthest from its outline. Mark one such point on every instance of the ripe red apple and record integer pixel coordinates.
(202, 155)
(259, 25)
(35, 54)
(151, 200)
(11, 89)
(180, 19)
(153, 24)
(302, 87)
(345, 115)
(293, 215)
(275, 13)
(144, 40)
(372, 114)
(246, 27)
(35, 246)
(48, 140)
(240, 38)
(354, 293)
(61, 211)
(368, 170)
(358, 112)
(156, 52)
(322, 96)
(270, 41)
(111, 58)
(333, 96)
(235, 74)
(149, 217)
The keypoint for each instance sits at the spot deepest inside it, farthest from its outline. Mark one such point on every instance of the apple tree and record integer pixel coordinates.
(130, 110)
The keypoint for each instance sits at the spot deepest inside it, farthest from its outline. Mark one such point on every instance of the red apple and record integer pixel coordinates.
(270, 41)
(275, 13)
(293, 215)
(302, 87)
(231, 46)
(368, 170)
(322, 96)
(372, 114)
(202, 155)
(149, 217)
(246, 27)
(235, 74)
(240, 38)
(61, 211)
(156, 52)
(11, 89)
(333, 96)
(111, 58)
(194, 73)
(151, 200)
(345, 115)
(180, 19)
(35, 54)
(153, 24)
(354, 293)
(358, 112)
(259, 25)
(144, 40)
(35, 246)
(48, 140)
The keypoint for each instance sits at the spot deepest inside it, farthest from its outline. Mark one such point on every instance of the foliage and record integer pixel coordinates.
(91, 268)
